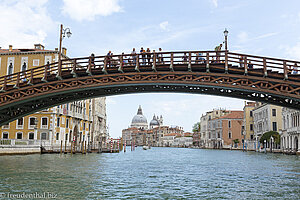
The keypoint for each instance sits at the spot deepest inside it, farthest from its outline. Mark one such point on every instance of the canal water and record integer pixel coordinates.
(158, 173)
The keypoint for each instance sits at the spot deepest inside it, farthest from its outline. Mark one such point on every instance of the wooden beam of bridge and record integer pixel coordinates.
(271, 80)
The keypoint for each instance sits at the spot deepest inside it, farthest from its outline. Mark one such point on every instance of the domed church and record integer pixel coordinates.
(140, 121)
(156, 122)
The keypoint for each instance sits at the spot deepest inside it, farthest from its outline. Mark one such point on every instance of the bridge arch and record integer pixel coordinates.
(228, 74)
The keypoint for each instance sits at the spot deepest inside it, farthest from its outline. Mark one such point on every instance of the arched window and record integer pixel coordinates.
(10, 69)
(44, 136)
(19, 136)
(5, 135)
(31, 136)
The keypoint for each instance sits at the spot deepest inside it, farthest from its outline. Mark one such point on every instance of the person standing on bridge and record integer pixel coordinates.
(218, 49)
(143, 53)
(184, 58)
(133, 53)
(108, 58)
(148, 52)
(160, 56)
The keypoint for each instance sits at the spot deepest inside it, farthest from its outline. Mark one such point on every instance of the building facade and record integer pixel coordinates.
(226, 131)
(290, 134)
(205, 128)
(60, 124)
(267, 118)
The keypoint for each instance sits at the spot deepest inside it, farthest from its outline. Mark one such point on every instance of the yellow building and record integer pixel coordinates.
(248, 120)
(63, 123)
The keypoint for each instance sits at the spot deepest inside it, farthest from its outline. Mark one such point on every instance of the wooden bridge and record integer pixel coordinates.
(270, 80)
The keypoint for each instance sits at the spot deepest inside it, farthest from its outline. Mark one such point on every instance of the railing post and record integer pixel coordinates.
(30, 82)
(172, 62)
(105, 66)
(226, 61)
(265, 67)
(137, 63)
(59, 72)
(190, 62)
(120, 69)
(89, 68)
(154, 62)
(44, 79)
(18, 81)
(73, 72)
(245, 65)
(207, 62)
(285, 71)
(3, 89)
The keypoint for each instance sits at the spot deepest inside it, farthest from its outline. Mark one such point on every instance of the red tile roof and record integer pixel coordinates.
(233, 115)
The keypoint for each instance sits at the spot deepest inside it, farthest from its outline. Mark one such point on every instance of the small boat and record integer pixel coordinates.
(145, 147)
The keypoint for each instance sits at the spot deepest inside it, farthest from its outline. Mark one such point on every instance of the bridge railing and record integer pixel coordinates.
(75, 66)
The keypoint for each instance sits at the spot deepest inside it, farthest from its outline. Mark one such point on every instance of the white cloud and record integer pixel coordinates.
(293, 52)
(243, 37)
(24, 23)
(215, 2)
(87, 10)
(164, 26)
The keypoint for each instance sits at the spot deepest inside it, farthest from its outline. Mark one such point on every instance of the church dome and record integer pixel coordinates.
(139, 120)
(154, 122)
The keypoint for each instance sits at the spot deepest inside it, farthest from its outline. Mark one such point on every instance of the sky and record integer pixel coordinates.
(258, 27)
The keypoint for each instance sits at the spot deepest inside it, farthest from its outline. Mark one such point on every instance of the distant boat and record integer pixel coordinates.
(146, 147)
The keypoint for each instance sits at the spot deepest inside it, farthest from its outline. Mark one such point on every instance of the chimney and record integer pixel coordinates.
(64, 51)
(10, 47)
(39, 46)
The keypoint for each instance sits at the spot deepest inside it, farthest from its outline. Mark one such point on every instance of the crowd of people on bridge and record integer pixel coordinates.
(146, 57)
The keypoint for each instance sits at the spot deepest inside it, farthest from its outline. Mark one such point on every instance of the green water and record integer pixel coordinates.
(158, 173)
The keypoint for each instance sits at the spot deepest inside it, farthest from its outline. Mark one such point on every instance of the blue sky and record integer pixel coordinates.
(259, 27)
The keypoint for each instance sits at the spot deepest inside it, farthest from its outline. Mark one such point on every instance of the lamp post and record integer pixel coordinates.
(62, 35)
(225, 35)
(271, 145)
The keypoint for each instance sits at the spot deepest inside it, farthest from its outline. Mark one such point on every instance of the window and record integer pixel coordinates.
(20, 122)
(5, 135)
(44, 136)
(229, 135)
(251, 114)
(229, 124)
(251, 127)
(84, 126)
(274, 112)
(252, 137)
(58, 121)
(19, 136)
(274, 126)
(66, 136)
(89, 127)
(44, 122)
(57, 136)
(31, 136)
(31, 122)
(36, 62)
(67, 123)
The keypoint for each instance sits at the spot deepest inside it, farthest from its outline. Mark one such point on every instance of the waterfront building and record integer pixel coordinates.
(226, 131)
(290, 134)
(141, 134)
(267, 118)
(248, 125)
(196, 139)
(60, 124)
(185, 140)
(204, 128)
